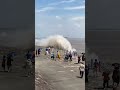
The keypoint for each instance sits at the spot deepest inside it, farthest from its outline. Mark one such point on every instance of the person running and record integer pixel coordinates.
(9, 62)
(82, 68)
(3, 62)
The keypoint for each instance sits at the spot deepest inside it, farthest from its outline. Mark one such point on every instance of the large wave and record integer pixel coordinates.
(56, 41)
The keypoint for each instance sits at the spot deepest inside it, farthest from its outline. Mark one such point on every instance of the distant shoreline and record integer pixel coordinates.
(64, 37)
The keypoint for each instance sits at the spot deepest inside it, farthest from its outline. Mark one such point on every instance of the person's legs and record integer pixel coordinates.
(71, 58)
(95, 72)
(86, 78)
(104, 83)
(118, 80)
(82, 74)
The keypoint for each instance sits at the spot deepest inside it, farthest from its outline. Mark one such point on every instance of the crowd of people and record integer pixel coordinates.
(68, 56)
(97, 68)
(84, 68)
(8, 59)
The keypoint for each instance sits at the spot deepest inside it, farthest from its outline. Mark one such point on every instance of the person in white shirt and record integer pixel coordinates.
(82, 69)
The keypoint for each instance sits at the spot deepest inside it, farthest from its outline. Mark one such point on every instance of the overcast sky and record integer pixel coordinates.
(64, 17)
(16, 22)
(103, 14)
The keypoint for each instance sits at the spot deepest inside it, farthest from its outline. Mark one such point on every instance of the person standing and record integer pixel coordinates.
(83, 57)
(52, 55)
(115, 76)
(86, 73)
(58, 55)
(3, 62)
(78, 58)
(28, 55)
(49, 50)
(106, 79)
(39, 51)
(28, 64)
(82, 68)
(70, 55)
(96, 67)
(9, 62)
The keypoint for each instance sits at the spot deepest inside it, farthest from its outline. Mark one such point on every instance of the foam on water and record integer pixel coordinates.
(57, 41)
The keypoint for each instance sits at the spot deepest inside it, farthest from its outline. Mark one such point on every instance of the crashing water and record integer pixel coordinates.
(56, 41)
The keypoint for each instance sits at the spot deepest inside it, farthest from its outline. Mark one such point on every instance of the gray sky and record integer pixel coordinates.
(16, 22)
(103, 14)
